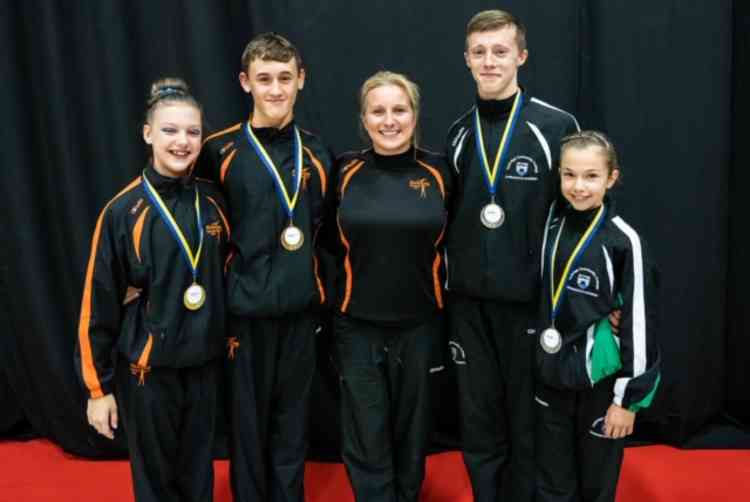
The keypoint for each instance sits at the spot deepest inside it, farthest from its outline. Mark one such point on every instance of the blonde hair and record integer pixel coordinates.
(169, 90)
(586, 138)
(490, 20)
(400, 80)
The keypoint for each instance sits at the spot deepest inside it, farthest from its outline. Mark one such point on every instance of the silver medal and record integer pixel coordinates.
(492, 215)
(550, 340)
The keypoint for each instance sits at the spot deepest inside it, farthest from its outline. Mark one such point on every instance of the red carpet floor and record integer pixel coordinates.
(39, 471)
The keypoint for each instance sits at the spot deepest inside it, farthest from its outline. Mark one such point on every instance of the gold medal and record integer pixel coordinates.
(550, 340)
(292, 238)
(492, 215)
(194, 297)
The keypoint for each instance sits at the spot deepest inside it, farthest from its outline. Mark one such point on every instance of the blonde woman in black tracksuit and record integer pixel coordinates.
(388, 214)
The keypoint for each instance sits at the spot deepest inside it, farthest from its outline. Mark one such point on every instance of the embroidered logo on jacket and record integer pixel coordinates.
(306, 175)
(422, 185)
(214, 229)
(585, 281)
(225, 148)
(522, 168)
(136, 207)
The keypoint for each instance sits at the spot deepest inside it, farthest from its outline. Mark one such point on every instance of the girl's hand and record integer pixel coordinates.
(614, 321)
(102, 415)
(619, 422)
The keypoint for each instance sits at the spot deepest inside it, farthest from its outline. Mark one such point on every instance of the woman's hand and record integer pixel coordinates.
(619, 422)
(102, 415)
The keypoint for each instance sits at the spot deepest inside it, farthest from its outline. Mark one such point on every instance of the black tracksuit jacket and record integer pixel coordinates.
(613, 272)
(502, 264)
(132, 247)
(264, 280)
(388, 215)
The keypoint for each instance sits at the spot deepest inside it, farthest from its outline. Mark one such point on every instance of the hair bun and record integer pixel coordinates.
(167, 87)
(169, 90)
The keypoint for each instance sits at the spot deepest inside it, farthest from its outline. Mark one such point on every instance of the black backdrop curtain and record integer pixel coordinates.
(656, 75)
(738, 315)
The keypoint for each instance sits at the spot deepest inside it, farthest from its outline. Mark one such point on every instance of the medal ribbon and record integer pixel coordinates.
(558, 292)
(174, 228)
(491, 175)
(288, 203)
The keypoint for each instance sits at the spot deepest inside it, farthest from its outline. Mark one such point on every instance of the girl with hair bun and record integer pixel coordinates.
(151, 326)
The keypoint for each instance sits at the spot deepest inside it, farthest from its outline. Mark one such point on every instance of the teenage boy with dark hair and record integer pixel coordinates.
(274, 175)
(505, 153)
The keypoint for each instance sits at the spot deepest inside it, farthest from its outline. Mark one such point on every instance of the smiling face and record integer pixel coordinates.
(389, 119)
(174, 132)
(274, 86)
(585, 176)
(494, 58)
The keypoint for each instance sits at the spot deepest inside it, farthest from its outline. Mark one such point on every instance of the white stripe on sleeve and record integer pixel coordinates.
(638, 299)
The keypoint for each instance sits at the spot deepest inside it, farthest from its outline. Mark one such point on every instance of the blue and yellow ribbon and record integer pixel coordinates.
(558, 292)
(191, 258)
(289, 203)
(493, 174)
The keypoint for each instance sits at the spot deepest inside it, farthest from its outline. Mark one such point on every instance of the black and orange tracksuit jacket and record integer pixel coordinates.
(502, 264)
(389, 215)
(264, 280)
(133, 249)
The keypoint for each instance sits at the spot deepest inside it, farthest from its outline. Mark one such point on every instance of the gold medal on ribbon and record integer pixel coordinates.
(292, 238)
(194, 297)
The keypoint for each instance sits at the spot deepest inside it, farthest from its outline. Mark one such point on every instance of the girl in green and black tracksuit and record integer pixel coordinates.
(591, 382)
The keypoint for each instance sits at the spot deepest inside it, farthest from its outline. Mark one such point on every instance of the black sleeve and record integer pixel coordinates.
(330, 250)
(99, 322)
(207, 165)
(641, 362)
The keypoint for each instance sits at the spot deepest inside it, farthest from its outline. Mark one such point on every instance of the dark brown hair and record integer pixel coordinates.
(270, 47)
(583, 139)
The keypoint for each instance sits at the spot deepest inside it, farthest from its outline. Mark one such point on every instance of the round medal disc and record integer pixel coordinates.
(550, 340)
(492, 215)
(194, 297)
(292, 238)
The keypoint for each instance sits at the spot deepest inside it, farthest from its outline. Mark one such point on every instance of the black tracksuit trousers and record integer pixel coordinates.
(385, 405)
(575, 463)
(270, 377)
(493, 352)
(170, 423)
